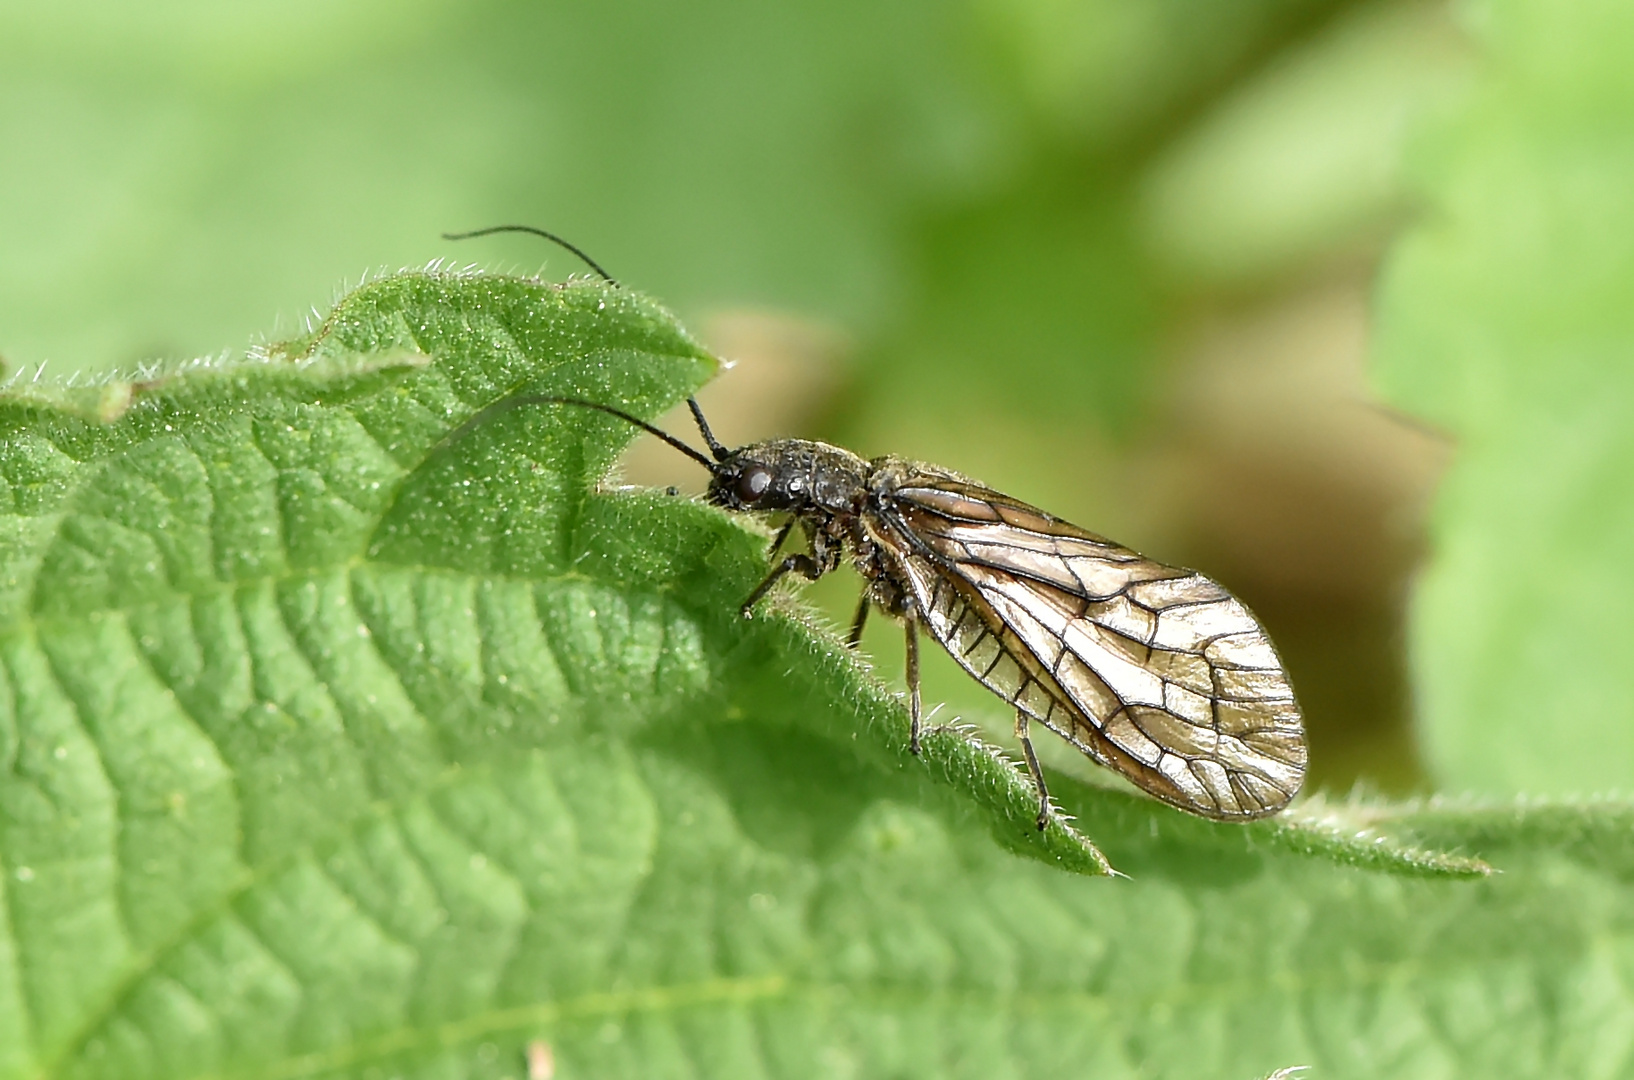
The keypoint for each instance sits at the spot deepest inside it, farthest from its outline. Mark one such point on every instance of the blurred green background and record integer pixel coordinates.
(1116, 257)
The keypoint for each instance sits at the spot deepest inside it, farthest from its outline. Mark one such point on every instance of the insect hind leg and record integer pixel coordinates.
(1022, 726)
(912, 643)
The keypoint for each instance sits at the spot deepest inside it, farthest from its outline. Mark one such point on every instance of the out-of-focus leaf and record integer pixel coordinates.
(193, 172)
(1507, 319)
(1307, 159)
(1103, 70)
(190, 173)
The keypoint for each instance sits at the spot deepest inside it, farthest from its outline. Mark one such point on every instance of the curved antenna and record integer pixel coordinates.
(481, 416)
(721, 452)
(530, 230)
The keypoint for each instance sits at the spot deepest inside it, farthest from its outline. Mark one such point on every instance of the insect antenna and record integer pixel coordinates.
(720, 451)
(531, 231)
(716, 447)
(712, 466)
(482, 416)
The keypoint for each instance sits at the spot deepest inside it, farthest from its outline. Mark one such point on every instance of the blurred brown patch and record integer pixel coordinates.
(782, 375)
(1282, 477)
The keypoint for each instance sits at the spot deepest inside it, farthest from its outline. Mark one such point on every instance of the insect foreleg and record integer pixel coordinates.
(822, 558)
(782, 535)
(808, 567)
(912, 642)
(1032, 767)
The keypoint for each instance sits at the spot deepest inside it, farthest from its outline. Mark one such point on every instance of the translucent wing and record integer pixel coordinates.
(1151, 670)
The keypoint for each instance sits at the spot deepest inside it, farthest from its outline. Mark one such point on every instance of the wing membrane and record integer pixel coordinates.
(1152, 670)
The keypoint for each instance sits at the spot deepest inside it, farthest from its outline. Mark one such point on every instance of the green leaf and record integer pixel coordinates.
(335, 749)
(1508, 320)
(1305, 159)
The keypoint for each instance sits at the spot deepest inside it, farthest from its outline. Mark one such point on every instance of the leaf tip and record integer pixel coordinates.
(1348, 833)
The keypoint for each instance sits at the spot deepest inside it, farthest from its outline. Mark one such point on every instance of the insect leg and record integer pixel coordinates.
(912, 642)
(1032, 767)
(782, 535)
(808, 567)
(855, 637)
(823, 557)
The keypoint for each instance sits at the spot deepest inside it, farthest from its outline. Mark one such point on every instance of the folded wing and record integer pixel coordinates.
(1152, 670)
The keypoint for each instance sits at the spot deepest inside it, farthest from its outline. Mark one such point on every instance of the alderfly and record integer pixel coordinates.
(1153, 671)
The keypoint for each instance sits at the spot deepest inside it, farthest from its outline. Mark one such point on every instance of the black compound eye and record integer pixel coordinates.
(752, 484)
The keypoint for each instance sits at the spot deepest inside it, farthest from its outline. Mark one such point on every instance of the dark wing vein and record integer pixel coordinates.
(1151, 670)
